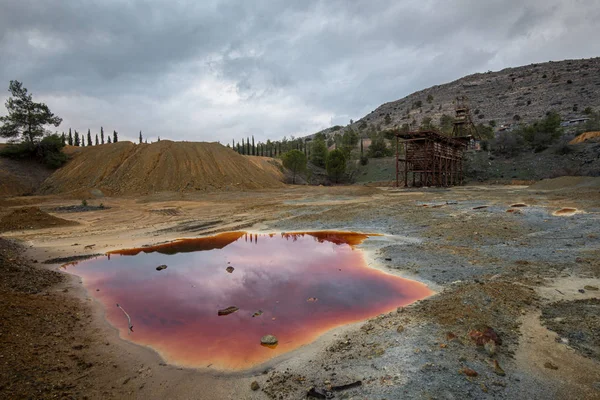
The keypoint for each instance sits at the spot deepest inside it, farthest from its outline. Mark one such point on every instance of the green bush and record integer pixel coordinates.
(48, 151)
(364, 160)
(295, 161)
(336, 165)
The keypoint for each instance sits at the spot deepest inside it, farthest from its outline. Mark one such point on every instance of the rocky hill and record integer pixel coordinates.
(523, 93)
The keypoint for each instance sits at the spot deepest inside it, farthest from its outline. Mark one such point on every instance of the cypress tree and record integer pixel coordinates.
(248, 146)
(108, 140)
(253, 147)
(159, 138)
(243, 147)
(279, 148)
(115, 137)
(76, 141)
(233, 144)
(63, 139)
(89, 138)
(102, 135)
(140, 137)
(70, 138)
(361, 147)
(97, 142)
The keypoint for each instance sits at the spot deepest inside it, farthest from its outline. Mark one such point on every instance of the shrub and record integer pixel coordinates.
(84, 203)
(378, 147)
(48, 151)
(364, 160)
(507, 144)
(336, 165)
(295, 161)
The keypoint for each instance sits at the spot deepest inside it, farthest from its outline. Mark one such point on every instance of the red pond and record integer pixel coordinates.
(294, 286)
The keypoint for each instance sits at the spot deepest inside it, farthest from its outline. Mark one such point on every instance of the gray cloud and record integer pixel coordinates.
(217, 70)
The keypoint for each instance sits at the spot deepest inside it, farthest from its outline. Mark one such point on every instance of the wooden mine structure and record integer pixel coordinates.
(432, 158)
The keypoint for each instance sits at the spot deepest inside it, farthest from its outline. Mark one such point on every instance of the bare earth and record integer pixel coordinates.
(517, 272)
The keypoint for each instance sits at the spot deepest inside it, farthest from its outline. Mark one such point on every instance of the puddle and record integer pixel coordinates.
(293, 286)
(567, 211)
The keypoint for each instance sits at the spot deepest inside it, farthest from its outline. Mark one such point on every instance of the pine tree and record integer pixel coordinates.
(361, 147)
(25, 117)
(63, 139)
(233, 143)
(89, 137)
(115, 137)
(97, 142)
(253, 147)
(76, 141)
(70, 138)
(102, 135)
(140, 137)
(243, 147)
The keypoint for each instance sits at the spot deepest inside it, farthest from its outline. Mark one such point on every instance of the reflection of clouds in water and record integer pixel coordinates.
(175, 310)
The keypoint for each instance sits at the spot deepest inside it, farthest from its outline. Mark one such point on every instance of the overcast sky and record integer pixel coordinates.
(217, 70)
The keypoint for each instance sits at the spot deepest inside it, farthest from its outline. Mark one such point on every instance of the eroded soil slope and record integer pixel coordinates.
(126, 168)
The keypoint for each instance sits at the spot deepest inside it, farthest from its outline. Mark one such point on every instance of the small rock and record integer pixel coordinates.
(311, 299)
(161, 267)
(581, 291)
(469, 372)
(591, 288)
(254, 386)
(388, 259)
(228, 310)
(269, 340)
(549, 365)
(257, 314)
(229, 269)
(497, 369)
(490, 347)
(400, 329)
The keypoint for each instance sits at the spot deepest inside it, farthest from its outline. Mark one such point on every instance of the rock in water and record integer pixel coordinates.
(229, 269)
(228, 310)
(254, 386)
(161, 267)
(269, 340)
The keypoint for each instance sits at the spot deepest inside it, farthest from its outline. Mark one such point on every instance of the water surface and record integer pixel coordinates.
(293, 286)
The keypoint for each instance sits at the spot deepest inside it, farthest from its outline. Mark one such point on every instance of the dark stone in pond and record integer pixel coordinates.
(581, 291)
(228, 310)
(388, 259)
(161, 267)
(269, 340)
(229, 269)
(254, 386)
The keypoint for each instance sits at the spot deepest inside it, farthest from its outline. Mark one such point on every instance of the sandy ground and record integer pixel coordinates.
(490, 267)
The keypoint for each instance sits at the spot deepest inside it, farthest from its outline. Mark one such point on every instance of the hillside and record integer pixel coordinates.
(568, 87)
(126, 168)
(21, 177)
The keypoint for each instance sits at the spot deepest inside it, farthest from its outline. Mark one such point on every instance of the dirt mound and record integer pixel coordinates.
(127, 168)
(31, 218)
(585, 136)
(567, 182)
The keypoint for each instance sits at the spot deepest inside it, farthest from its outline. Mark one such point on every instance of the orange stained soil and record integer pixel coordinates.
(295, 286)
